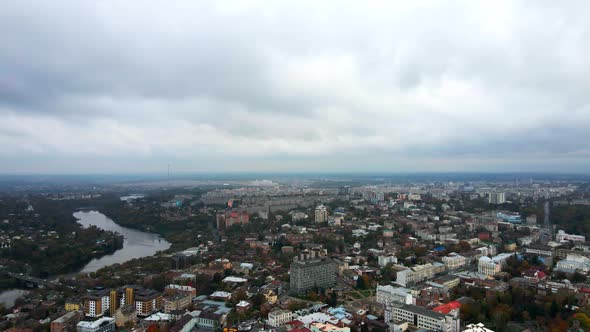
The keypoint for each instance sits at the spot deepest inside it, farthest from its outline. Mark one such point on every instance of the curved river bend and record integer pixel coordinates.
(137, 244)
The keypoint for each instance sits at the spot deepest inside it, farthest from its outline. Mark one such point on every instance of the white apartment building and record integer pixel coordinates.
(497, 198)
(562, 236)
(321, 214)
(454, 261)
(97, 305)
(422, 318)
(387, 294)
(386, 259)
(418, 273)
(278, 318)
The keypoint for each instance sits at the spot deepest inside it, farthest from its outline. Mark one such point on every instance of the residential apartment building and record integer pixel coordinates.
(387, 294)
(309, 273)
(178, 301)
(97, 304)
(321, 214)
(66, 322)
(278, 318)
(496, 198)
(147, 302)
(387, 259)
(374, 197)
(422, 318)
(73, 305)
(173, 289)
(418, 273)
(229, 218)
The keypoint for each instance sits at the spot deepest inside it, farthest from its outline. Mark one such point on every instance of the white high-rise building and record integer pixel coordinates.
(386, 259)
(497, 198)
(321, 214)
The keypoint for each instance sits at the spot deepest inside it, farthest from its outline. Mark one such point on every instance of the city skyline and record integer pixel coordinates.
(109, 87)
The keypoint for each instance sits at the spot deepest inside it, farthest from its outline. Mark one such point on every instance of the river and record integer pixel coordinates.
(137, 244)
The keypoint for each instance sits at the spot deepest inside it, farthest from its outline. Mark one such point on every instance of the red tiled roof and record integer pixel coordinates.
(448, 307)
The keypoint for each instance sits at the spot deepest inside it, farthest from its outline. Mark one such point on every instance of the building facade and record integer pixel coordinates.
(97, 304)
(310, 273)
(574, 263)
(321, 214)
(147, 302)
(454, 261)
(66, 322)
(422, 318)
(386, 259)
(125, 314)
(562, 236)
(496, 198)
(387, 294)
(278, 318)
(178, 301)
(418, 273)
(490, 266)
(104, 324)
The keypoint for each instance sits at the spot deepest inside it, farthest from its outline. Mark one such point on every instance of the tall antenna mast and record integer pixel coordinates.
(168, 174)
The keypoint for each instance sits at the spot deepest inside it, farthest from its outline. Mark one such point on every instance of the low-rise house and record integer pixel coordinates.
(66, 322)
(125, 314)
(278, 318)
(104, 324)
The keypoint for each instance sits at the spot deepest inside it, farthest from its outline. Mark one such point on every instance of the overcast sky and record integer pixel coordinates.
(227, 86)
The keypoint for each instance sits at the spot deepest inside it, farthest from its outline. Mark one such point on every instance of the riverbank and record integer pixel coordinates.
(179, 225)
(46, 239)
(136, 243)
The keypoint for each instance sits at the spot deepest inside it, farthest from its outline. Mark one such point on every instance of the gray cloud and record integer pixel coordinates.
(111, 86)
